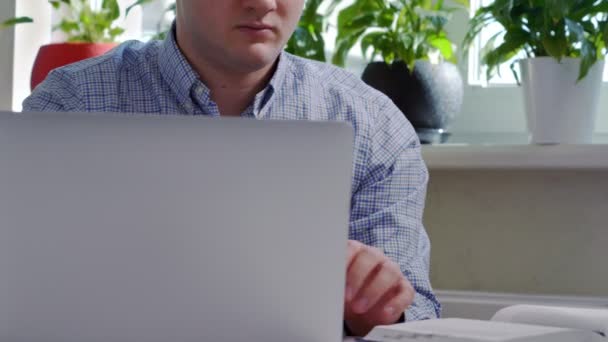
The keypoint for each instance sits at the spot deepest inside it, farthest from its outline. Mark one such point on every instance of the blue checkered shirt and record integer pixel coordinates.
(390, 177)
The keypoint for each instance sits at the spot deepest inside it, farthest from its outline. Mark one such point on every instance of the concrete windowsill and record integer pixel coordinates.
(516, 156)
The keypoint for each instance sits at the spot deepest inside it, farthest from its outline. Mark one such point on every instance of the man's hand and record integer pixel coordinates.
(377, 293)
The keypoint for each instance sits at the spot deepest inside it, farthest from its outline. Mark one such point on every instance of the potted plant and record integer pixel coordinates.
(417, 70)
(563, 43)
(90, 32)
(307, 40)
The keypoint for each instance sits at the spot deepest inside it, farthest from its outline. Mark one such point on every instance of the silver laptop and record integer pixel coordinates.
(184, 229)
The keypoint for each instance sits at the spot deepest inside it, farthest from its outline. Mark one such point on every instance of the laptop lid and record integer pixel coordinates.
(163, 228)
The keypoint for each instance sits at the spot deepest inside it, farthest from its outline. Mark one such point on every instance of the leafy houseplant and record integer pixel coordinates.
(83, 24)
(402, 30)
(417, 70)
(543, 28)
(90, 32)
(307, 40)
(564, 43)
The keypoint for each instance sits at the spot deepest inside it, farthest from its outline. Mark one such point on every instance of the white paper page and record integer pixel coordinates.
(576, 318)
(461, 330)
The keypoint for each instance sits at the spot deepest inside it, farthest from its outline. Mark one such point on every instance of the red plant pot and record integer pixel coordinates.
(53, 56)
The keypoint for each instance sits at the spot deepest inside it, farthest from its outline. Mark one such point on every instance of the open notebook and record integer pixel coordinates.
(520, 323)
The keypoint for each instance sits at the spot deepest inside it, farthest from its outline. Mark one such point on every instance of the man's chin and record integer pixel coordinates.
(258, 57)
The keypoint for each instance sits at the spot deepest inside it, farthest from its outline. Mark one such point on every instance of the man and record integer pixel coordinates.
(225, 58)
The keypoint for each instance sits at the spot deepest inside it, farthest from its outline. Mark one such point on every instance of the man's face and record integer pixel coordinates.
(245, 35)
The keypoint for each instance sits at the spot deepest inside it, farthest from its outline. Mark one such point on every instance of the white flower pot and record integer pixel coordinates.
(560, 110)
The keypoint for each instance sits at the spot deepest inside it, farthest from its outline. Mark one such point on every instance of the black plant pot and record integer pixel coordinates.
(430, 97)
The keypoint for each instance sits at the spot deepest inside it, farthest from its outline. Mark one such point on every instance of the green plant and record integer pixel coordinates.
(396, 30)
(543, 28)
(84, 24)
(307, 40)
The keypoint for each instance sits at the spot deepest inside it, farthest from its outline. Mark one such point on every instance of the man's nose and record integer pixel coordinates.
(260, 7)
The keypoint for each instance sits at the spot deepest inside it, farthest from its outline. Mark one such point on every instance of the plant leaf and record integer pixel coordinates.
(479, 21)
(513, 68)
(605, 34)
(112, 7)
(513, 43)
(307, 40)
(354, 21)
(444, 46)
(67, 26)
(370, 40)
(15, 21)
(439, 5)
(558, 9)
(332, 7)
(555, 47)
(501, 11)
(343, 46)
(576, 30)
(116, 31)
(589, 9)
(55, 3)
(589, 58)
(305, 43)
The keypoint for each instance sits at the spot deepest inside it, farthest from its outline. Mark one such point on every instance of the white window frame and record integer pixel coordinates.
(7, 38)
(477, 72)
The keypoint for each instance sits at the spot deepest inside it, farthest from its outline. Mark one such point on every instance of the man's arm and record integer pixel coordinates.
(58, 93)
(387, 211)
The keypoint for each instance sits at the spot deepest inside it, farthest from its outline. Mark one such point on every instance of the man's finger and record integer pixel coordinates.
(354, 247)
(390, 311)
(390, 308)
(388, 277)
(361, 268)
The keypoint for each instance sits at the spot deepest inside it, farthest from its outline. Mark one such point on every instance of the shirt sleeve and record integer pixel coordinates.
(58, 93)
(387, 206)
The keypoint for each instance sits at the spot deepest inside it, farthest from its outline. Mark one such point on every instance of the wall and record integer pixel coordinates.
(530, 232)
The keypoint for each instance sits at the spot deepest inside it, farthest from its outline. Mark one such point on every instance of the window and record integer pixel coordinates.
(477, 74)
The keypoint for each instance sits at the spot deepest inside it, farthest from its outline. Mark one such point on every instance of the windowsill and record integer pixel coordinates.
(511, 151)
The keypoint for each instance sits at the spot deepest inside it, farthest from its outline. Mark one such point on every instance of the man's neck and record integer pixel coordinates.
(232, 90)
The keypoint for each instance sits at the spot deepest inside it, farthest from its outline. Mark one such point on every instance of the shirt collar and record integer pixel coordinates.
(182, 78)
(176, 70)
(275, 85)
